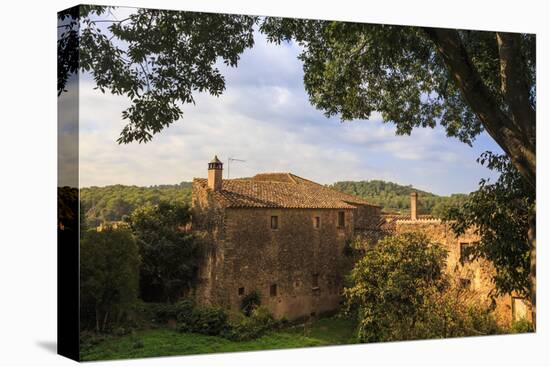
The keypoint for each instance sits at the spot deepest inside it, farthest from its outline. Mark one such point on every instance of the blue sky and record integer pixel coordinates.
(264, 117)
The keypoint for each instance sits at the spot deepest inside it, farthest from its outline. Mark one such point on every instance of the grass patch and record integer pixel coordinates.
(165, 342)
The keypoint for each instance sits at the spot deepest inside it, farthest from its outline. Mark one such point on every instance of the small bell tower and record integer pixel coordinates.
(215, 172)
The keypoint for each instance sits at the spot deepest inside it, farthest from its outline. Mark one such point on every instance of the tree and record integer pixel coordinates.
(399, 291)
(167, 55)
(467, 81)
(109, 275)
(169, 253)
(500, 212)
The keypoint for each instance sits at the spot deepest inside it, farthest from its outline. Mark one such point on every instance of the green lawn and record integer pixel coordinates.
(166, 342)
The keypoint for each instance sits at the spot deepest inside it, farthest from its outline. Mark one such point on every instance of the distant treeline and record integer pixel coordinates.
(396, 198)
(112, 203)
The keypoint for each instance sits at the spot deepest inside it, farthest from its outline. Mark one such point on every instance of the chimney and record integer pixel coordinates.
(215, 170)
(414, 200)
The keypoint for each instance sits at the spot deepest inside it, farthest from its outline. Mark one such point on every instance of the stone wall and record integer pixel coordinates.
(297, 268)
(208, 219)
(476, 273)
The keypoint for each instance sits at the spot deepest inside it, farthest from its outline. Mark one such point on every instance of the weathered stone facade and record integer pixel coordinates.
(285, 237)
(297, 264)
(475, 275)
(472, 274)
(297, 268)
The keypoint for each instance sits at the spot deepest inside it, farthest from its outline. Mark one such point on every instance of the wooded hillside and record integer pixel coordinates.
(112, 203)
(396, 198)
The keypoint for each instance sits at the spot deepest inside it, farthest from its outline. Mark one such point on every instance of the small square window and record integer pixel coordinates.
(465, 283)
(465, 252)
(241, 291)
(315, 281)
(520, 310)
(273, 290)
(274, 222)
(317, 222)
(341, 219)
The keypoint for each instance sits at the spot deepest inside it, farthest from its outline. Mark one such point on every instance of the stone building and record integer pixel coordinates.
(278, 234)
(285, 237)
(474, 275)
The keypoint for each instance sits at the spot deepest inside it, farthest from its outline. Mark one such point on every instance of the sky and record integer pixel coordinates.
(264, 117)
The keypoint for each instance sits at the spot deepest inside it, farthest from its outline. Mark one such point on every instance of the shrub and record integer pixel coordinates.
(257, 324)
(390, 287)
(184, 310)
(162, 313)
(137, 344)
(208, 321)
(89, 339)
(522, 326)
(250, 302)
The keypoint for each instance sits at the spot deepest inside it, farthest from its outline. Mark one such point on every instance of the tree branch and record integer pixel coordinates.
(514, 87)
(497, 123)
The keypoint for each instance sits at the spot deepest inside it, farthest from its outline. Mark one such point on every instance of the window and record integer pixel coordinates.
(465, 283)
(317, 222)
(315, 281)
(274, 222)
(341, 219)
(520, 310)
(465, 252)
(273, 290)
(241, 291)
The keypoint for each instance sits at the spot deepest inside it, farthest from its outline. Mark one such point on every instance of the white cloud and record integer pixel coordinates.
(265, 118)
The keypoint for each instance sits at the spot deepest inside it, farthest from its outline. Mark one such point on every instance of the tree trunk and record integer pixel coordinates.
(515, 130)
(515, 136)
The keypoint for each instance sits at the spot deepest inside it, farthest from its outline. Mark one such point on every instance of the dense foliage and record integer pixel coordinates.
(399, 291)
(168, 251)
(465, 81)
(500, 212)
(157, 58)
(109, 276)
(250, 302)
(114, 202)
(396, 198)
(67, 202)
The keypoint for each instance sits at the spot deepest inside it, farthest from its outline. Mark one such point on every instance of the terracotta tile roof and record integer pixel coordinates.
(280, 190)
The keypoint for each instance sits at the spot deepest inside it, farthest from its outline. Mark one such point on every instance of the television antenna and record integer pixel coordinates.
(231, 159)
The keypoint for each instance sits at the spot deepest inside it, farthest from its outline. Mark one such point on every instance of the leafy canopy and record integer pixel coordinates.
(158, 58)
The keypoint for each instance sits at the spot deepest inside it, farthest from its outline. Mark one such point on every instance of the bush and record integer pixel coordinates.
(137, 344)
(250, 302)
(89, 339)
(392, 285)
(208, 321)
(522, 326)
(257, 324)
(161, 313)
